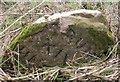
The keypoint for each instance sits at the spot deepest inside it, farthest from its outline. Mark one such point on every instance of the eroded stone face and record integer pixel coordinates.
(70, 38)
(52, 47)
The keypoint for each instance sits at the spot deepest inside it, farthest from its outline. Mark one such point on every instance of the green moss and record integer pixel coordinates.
(102, 39)
(9, 22)
(102, 19)
(27, 31)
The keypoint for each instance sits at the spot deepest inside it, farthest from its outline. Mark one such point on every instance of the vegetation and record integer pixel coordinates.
(27, 32)
(17, 18)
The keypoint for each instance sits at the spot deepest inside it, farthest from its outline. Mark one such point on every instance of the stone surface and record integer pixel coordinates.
(79, 36)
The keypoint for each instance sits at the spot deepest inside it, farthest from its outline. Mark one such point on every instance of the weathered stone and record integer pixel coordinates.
(59, 41)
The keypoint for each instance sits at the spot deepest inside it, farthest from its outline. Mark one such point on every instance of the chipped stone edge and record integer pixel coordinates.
(55, 16)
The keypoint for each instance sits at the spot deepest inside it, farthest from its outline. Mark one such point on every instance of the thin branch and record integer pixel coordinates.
(90, 55)
(21, 14)
(10, 32)
(30, 75)
(89, 73)
(21, 18)
(10, 9)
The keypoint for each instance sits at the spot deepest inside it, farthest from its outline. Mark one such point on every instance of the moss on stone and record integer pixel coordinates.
(27, 31)
(101, 39)
(50, 47)
(101, 19)
(95, 36)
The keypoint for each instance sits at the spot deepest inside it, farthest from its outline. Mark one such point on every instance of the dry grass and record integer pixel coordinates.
(105, 71)
(12, 69)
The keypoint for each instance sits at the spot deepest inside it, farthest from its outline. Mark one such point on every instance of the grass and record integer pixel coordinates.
(12, 69)
(104, 71)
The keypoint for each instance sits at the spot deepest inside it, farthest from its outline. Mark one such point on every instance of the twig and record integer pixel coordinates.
(18, 57)
(109, 55)
(54, 72)
(10, 8)
(90, 55)
(3, 75)
(21, 14)
(102, 77)
(6, 12)
(114, 48)
(3, 2)
(19, 8)
(84, 74)
(10, 32)
(28, 76)
(6, 60)
(21, 18)
(107, 68)
(89, 67)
